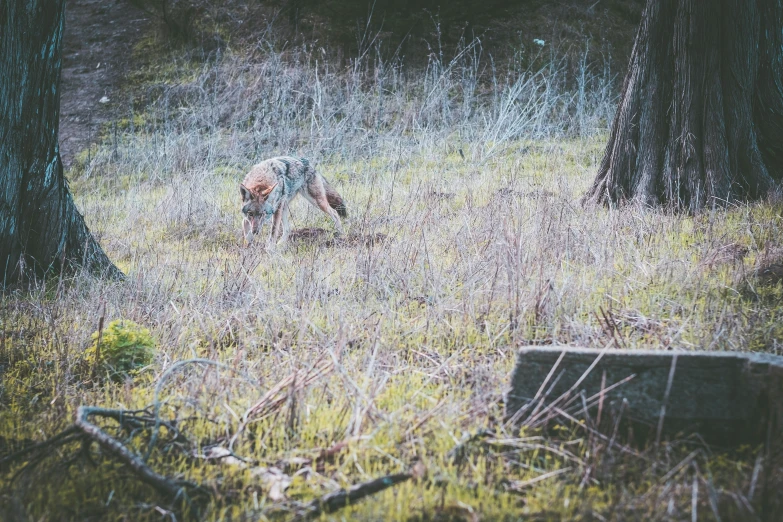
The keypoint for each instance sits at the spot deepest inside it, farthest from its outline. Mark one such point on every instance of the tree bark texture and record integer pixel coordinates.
(700, 119)
(40, 227)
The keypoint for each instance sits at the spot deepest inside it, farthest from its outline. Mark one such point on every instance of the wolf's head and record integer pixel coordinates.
(254, 209)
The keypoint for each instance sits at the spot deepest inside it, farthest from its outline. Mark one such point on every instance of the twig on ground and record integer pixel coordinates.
(520, 485)
(457, 453)
(328, 454)
(339, 499)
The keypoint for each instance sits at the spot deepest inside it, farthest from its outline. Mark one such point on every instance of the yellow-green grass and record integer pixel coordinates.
(458, 251)
(478, 257)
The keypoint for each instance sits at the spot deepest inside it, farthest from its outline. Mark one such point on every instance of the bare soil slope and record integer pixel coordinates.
(97, 55)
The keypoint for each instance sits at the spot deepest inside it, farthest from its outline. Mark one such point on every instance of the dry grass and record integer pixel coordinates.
(468, 185)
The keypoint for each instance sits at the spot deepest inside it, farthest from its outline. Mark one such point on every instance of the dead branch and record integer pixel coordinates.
(85, 431)
(458, 452)
(172, 488)
(328, 455)
(331, 502)
(69, 434)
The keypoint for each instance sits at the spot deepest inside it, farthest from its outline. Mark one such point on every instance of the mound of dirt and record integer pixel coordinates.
(326, 237)
(770, 274)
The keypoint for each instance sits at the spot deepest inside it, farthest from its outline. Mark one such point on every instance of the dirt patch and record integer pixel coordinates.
(328, 239)
(770, 274)
(724, 254)
(97, 55)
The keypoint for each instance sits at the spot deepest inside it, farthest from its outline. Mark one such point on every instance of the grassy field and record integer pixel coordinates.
(344, 359)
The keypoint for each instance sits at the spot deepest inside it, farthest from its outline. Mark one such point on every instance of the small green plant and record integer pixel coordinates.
(122, 348)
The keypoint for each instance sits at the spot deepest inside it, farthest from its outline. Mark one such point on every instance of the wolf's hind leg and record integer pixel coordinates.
(323, 204)
(314, 193)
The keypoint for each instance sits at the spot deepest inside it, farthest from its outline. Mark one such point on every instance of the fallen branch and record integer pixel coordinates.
(85, 431)
(69, 434)
(328, 455)
(331, 502)
(172, 488)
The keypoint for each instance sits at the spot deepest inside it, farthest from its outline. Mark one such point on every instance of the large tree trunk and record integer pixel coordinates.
(700, 120)
(40, 227)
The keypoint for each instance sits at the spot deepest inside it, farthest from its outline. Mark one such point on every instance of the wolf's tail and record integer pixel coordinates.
(335, 200)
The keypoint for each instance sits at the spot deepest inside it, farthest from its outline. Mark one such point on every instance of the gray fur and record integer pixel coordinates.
(288, 176)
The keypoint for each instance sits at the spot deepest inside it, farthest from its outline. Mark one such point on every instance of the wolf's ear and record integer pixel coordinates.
(246, 195)
(265, 193)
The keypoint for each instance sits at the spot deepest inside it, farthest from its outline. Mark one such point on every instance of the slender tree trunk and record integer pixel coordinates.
(40, 227)
(700, 120)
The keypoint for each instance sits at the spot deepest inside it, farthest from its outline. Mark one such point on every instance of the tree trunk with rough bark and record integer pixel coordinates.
(700, 119)
(40, 227)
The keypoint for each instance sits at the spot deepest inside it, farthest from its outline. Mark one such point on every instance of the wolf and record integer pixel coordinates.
(270, 186)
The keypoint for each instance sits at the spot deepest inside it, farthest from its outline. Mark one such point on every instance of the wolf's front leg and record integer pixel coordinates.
(279, 223)
(286, 212)
(276, 222)
(247, 231)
